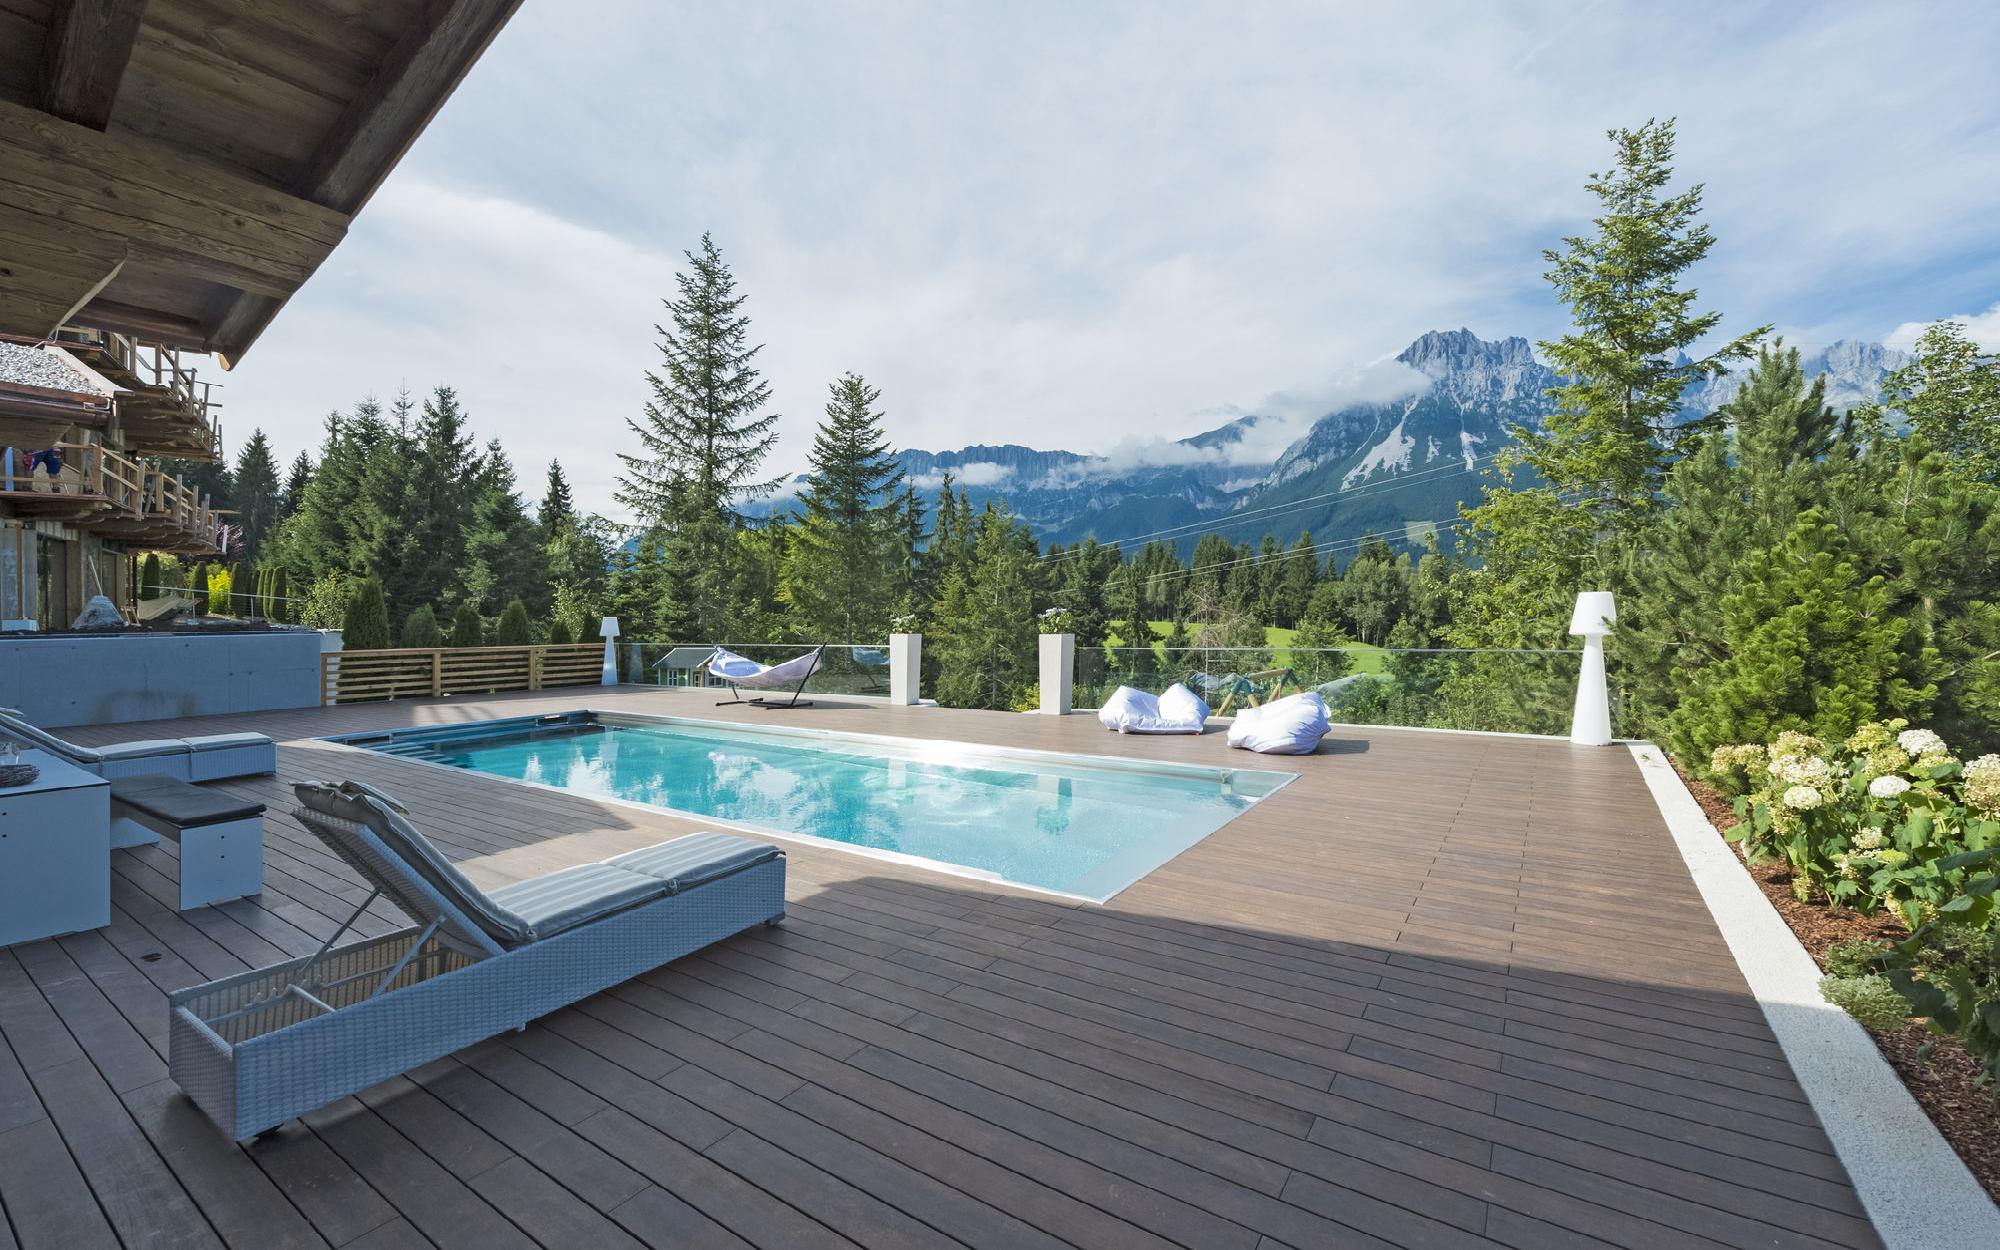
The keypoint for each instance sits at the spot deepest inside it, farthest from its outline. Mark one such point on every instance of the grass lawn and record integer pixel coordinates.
(1366, 659)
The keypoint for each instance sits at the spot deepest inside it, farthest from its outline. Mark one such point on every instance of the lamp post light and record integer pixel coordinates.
(1590, 723)
(609, 632)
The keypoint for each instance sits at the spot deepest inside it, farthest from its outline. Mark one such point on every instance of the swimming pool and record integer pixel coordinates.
(1079, 825)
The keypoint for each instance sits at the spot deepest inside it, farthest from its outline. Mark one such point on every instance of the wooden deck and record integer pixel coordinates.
(1444, 991)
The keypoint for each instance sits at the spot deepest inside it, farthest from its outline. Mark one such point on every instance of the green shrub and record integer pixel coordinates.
(1856, 957)
(1869, 999)
(468, 628)
(197, 589)
(325, 605)
(279, 595)
(149, 576)
(365, 625)
(513, 629)
(559, 632)
(420, 629)
(220, 583)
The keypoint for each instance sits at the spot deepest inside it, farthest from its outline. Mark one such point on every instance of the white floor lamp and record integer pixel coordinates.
(1590, 724)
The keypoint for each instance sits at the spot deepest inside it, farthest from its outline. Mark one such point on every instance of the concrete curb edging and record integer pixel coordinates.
(1917, 1191)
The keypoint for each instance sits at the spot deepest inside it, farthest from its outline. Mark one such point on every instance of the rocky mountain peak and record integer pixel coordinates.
(1440, 352)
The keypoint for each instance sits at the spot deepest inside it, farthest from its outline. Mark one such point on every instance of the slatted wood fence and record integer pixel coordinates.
(433, 672)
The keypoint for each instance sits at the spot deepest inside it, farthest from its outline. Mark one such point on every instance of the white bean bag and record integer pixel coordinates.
(1178, 711)
(1289, 726)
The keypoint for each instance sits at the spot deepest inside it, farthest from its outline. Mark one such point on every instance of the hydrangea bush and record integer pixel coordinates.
(1888, 818)
(1863, 823)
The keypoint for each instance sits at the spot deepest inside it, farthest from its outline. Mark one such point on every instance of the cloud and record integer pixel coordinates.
(1094, 227)
(1981, 328)
(970, 473)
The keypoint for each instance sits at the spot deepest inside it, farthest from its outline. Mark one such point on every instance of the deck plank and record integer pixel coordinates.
(1486, 1008)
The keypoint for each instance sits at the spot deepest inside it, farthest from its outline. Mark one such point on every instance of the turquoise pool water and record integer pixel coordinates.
(1079, 825)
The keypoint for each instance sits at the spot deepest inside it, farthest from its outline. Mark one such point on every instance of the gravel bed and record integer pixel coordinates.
(32, 366)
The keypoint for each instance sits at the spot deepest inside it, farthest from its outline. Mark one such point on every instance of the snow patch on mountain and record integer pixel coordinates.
(1387, 456)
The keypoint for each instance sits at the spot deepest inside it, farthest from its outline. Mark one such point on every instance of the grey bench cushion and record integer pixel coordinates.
(178, 803)
(570, 897)
(145, 748)
(688, 862)
(225, 742)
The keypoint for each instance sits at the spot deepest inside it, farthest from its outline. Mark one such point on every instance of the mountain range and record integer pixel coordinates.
(1396, 464)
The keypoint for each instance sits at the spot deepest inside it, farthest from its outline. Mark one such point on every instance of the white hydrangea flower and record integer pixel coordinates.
(1887, 787)
(1869, 838)
(1802, 798)
(1982, 784)
(1920, 742)
(1806, 771)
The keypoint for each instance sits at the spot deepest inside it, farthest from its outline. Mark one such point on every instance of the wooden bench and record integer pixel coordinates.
(221, 836)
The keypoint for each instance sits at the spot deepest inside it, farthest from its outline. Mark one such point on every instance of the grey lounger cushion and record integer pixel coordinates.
(687, 862)
(145, 748)
(364, 805)
(178, 803)
(570, 897)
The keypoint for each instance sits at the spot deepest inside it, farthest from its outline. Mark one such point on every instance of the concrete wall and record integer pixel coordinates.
(128, 677)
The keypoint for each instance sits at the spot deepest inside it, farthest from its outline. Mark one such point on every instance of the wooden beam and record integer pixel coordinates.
(89, 43)
(148, 324)
(420, 71)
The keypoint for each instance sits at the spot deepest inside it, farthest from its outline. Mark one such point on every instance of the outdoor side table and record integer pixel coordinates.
(55, 852)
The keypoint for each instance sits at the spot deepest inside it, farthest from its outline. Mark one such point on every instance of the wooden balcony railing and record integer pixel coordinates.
(426, 672)
(109, 488)
(158, 370)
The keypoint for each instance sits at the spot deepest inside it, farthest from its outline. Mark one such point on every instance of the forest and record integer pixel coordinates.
(1778, 564)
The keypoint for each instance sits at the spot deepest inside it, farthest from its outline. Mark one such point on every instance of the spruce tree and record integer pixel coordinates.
(1296, 579)
(558, 511)
(1617, 424)
(440, 487)
(1320, 637)
(257, 499)
(985, 619)
(503, 546)
(468, 628)
(840, 575)
(297, 478)
(365, 625)
(420, 629)
(703, 440)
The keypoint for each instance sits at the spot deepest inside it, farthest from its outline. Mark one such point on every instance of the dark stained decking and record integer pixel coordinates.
(1443, 991)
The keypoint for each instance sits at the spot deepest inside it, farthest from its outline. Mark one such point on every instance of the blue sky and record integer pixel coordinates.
(1080, 225)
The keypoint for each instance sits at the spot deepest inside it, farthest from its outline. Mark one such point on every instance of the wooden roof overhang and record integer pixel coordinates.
(176, 169)
(34, 416)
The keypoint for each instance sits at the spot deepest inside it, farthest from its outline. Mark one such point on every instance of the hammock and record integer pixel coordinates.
(741, 673)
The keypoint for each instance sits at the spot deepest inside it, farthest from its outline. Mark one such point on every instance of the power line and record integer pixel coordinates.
(1318, 549)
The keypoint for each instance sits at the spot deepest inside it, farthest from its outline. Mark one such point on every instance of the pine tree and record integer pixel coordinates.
(1810, 644)
(840, 576)
(702, 441)
(297, 479)
(468, 628)
(420, 629)
(513, 629)
(985, 619)
(557, 511)
(503, 547)
(1296, 579)
(1599, 457)
(257, 501)
(441, 485)
(365, 626)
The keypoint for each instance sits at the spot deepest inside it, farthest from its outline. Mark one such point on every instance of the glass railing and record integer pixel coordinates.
(845, 668)
(1516, 691)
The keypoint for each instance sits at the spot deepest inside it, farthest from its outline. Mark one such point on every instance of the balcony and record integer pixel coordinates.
(118, 498)
(163, 409)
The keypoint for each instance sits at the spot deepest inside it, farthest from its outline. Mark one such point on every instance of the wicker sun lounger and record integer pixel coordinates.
(256, 1049)
(214, 757)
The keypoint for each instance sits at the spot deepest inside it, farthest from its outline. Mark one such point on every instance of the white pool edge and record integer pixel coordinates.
(1917, 1191)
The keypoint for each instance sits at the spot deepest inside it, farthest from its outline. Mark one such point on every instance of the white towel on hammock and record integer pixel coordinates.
(742, 671)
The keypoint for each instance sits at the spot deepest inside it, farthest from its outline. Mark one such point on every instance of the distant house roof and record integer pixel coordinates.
(175, 170)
